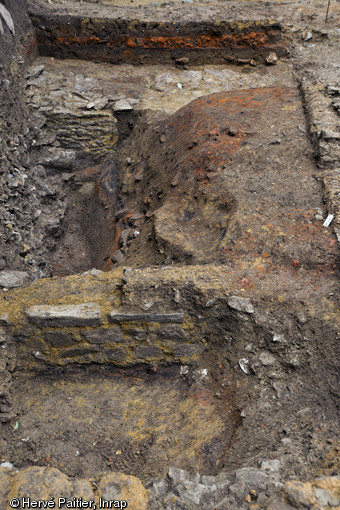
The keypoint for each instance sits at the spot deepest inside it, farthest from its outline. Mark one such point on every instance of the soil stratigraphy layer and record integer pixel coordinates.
(111, 420)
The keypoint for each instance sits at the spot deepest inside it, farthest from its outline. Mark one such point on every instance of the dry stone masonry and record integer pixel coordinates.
(134, 337)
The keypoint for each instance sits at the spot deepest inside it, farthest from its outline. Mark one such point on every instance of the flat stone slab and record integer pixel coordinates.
(146, 317)
(59, 339)
(104, 336)
(12, 279)
(241, 304)
(65, 315)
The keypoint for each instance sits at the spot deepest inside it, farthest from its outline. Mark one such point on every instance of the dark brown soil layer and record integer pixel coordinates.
(134, 421)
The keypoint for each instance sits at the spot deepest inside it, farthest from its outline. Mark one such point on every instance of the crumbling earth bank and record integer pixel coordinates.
(30, 205)
(228, 368)
(222, 171)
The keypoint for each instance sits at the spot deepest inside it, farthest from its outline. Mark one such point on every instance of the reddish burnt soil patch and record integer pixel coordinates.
(230, 179)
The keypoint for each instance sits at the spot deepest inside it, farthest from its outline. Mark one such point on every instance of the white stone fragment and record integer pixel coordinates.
(271, 59)
(200, 374)
(92, 272)
(7, 18)
(241, 304)
(328, 220)
(267, 359)
(11, 279)
(122, 105)
(8, 465)
(244, 365)
(184, 370)
(279, 338)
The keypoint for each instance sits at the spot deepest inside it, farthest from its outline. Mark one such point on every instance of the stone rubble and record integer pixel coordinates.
(121, 344)
(7, 365)
(239, 489)
(244, 489)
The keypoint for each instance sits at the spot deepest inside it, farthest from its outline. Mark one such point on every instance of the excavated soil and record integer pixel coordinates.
(137, 422)
(195, 161)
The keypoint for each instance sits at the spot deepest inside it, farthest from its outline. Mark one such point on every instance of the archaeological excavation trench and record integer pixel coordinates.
(178, 298)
